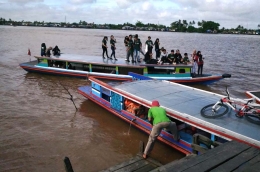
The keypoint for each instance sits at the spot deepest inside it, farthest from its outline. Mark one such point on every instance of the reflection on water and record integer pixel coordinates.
(39, 124)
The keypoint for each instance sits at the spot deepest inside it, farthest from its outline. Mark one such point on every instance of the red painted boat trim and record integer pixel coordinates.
(250, 96)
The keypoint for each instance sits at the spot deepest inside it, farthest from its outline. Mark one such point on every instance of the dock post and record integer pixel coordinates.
(141, 147)
(68, 165)
(197, 139)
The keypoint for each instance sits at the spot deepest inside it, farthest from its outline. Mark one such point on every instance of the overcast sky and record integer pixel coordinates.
(228, 13)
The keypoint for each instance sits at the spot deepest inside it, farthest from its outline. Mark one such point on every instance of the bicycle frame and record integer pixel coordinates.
(244, 106)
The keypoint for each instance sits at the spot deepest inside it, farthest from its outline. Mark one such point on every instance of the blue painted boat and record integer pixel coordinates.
(183, 105)
(86, 66)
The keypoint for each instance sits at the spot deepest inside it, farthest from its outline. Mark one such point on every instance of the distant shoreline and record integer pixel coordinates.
(257, 32)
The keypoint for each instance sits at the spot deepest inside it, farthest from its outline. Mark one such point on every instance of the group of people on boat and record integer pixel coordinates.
(47, 52)
(133, 48)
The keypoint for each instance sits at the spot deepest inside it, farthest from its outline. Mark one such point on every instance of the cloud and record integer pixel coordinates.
(24, 1)
(227, 13)
(82, 1)
(126, 3)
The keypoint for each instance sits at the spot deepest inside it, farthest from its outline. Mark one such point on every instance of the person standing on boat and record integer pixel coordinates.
(56, 51)
(130, 49)
(48, 52)
(113, 47)
(157, 49)
(137, 47)
(104, 46)
(149, 44)
(157, 115)
(194, 60)
(43, 49)
(200, 63)
(126, 45)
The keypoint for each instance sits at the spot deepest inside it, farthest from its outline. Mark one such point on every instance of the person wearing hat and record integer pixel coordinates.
(104, 46)
(157, 115)
(149, 44)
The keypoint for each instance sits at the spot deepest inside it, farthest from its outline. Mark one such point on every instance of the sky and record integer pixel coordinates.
(228, 13)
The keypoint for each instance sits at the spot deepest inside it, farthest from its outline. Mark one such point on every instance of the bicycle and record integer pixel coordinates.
(250, 110)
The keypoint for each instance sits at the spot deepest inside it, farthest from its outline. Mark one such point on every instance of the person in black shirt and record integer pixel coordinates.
(157, 49)
(149, 44)
(130, 49)
(177, 57)
(104, 46)
(113, 47)
(56, 51)
(126, 45)
(43, 49)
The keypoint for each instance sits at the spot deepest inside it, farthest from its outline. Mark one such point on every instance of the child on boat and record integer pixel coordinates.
(185, 59)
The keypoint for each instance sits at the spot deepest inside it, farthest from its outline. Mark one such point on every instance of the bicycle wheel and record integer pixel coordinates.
(254, 118)
(207, 111)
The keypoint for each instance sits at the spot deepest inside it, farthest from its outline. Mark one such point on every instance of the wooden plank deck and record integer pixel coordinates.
(231, 156)
(136, 164)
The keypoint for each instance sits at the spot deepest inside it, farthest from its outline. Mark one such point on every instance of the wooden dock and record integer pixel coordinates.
(136, 164)
(231, 156)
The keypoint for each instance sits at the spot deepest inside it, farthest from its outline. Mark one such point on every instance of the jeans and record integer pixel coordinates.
(136, 55)
(113, 52)
(157, 51)
(104, 51)
(200, 68)
(194, 67)
(129, 53)
(156, 130)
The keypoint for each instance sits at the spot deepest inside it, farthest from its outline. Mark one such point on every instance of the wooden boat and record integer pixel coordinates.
(254, 94)
(183, 105)
(85, 66)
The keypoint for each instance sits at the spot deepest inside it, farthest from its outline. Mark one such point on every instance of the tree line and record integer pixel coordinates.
(177, 26)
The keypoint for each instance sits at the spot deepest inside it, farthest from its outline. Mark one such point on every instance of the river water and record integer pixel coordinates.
(39, 125)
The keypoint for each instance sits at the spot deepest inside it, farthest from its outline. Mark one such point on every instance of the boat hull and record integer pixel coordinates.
(31, 67)
(139, 123)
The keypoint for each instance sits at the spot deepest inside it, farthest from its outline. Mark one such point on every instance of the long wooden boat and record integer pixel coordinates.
(254, 94)
(85, 66)
(183, 105)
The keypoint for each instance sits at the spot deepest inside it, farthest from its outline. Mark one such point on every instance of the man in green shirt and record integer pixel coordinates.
(160, 121)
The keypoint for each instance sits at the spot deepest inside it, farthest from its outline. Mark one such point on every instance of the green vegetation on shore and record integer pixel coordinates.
(176, 26)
